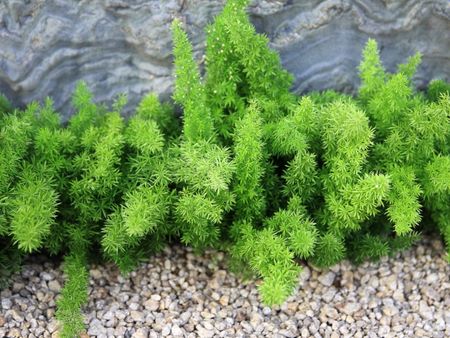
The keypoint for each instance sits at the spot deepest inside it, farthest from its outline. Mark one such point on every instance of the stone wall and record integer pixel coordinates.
(116, 46)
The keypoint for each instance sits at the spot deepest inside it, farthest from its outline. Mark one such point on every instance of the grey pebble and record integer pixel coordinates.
(140, 333)
(203, 332)
(6, 303)
(166, 330)
(47, 276)
(54, 286)
(176, 331)
(96, 328)
(351, 308)
(327, 279)
(137, 316)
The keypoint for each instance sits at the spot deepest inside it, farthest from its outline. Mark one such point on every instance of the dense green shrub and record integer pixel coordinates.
(252, 169)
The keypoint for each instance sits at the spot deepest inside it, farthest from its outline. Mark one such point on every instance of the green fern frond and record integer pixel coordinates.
(404, 206)
(73, 296)
(249, 166)
(329, 250)
(371, 71)
(189, 91)
(33, 210)
(145, 209)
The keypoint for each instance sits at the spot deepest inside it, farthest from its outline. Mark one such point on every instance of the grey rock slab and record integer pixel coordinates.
(121, 46)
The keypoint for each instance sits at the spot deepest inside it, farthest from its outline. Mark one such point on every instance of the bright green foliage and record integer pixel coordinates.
(115, 238)
(345, 149)
(73, 296)
(329, 250)
(295, 136)
(145, 196)
(388, 105)
(298, 230)
(409, 68)
(200, 214)
(249, 157)
(144, 135)
(15, 135)
(189, 91)
(204, 167)
(150, 108)
(404, 204)
(244, 88)
(33, 210)
(144, 209)
(276, 265)
(97, 169)
(438, 176)
(249, 170)
(412, 145)
(15, 138)
(436, 88)
(86, 111)
(143, 214)
(351, 196)
(301, 177)
(371, 71)
(240, 66)
(203, 171)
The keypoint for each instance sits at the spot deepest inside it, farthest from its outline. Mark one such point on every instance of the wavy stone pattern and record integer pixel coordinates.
(125, 46)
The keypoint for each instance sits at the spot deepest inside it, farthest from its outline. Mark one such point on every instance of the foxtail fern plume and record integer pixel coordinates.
(404, 204)
(33, 209)
(240, 66)
(411, 138)
(249, 161)
(73, 296)
(204, 171)
(371, 71)
(145, 209)
(150, 108)
(351, 196)
(189, 90)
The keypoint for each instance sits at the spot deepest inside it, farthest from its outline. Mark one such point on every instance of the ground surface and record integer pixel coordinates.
(180, 294)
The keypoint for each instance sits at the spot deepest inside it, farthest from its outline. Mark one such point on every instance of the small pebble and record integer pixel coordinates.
(327, 279)
(137, 316)
(140, 333)
(176, 331)
(351, 308)
(54, 286)
(390, 310)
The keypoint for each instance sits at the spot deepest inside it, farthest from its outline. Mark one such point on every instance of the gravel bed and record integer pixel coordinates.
(179, 294)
